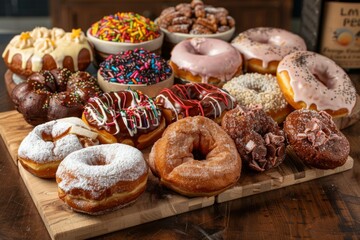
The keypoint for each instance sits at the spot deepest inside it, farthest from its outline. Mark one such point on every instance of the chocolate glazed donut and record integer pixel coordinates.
(258, 138)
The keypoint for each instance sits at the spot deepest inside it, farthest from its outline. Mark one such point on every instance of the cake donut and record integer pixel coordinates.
(263, 48)
(127, 116)
(192, 99)
(263, 89)
(102, 178)
(315, 139)
(195, 157)
(312, 81)
(49, 95)
(42, 150)
(258, 138)
(205, 60)
(47, 49)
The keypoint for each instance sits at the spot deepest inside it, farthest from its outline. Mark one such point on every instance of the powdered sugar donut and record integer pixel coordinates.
(312, 81)
(259, 89)
(102, 178)
(263, 47)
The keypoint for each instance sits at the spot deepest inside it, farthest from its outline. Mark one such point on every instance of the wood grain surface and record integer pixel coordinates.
(156, 203)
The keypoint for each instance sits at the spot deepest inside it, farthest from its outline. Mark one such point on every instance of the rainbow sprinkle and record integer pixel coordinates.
(125, 27)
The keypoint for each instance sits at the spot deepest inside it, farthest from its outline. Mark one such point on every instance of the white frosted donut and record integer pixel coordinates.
(312, 81)
(263, 47)
(259, 89)
(102, 178)
(48, 144)
(205, 60)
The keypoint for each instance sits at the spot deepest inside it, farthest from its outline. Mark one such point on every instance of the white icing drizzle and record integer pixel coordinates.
(98, 168)
(267, 44)
(335, 89)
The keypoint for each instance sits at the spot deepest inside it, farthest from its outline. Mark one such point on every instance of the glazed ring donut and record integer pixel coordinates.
(192, 99)
(258, 138)
(199, 60)
(315, 139)
(264, 47)
(102, 178)
(312, 81)
(263, 89)
(48, 144)
(195, 157)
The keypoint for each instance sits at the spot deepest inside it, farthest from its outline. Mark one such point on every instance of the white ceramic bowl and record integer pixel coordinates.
(105, 48)
(150, 90)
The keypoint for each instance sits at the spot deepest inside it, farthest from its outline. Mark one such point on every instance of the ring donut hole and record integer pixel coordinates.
(323, 77)
(98, 161)
(199, 151)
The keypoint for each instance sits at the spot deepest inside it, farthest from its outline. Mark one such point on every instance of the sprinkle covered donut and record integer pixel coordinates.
(102, 178)
(263, 48)
(312, 81)
(263, 89)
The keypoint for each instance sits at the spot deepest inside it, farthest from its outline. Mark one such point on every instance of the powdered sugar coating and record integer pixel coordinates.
(255, 88)
(35, 148)
(98, 168)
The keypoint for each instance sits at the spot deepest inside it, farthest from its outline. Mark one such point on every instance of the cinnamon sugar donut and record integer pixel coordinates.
(263, 48)
(195, 157)
(312, 81)
(48, 144)
(194, 99)
(258, 138)
(315, 139)
(102, 178)
(205, 60)
(263, 89)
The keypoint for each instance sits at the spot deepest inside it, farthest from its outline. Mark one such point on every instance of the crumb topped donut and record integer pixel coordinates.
(205, 60)
(102, 178)
(258, 138)
(195, 157)
(263, 89)
(48, 144)
(263, 48)
(315, 139)
(312, 81)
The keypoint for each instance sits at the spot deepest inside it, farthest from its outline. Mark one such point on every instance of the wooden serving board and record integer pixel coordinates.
(156, 203)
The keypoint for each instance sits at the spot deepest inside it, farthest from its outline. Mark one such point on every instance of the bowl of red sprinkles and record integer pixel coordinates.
(137, 69)
(124, 31)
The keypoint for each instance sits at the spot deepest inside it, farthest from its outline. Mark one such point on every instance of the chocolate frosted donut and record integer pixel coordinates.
(315, 139)
(258, 138)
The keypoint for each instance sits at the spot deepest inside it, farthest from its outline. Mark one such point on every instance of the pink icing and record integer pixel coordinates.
(207, 57)
(316, 79)
(267, 44)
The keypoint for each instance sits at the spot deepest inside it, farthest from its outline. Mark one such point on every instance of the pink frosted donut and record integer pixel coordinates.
(205, 60)
(263, 47)
(312, 81)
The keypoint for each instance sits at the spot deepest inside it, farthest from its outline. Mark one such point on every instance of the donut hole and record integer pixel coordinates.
(99, 161)
(325, 78)
(198, 155)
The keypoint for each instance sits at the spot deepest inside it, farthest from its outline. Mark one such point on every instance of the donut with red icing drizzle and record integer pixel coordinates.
(264, 47)
(127, 116)
(312, 81)
(194, 99)
(315, 139)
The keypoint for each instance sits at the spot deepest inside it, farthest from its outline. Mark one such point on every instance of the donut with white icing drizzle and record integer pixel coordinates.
(205, 60)
(312, 81)
(126, 116)
(264, 47)
(102, 178)
(47, 49)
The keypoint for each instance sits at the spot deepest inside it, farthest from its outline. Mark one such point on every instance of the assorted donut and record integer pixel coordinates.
(233, 107)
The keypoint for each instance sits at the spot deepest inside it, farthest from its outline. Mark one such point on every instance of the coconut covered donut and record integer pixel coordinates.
(258, 138)
(263, 89)
(47, 49)
(315, 139)
(263, 48)
(48, 144)
(205, 60)
(195, 157)
(312, 81)
(102, 178)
